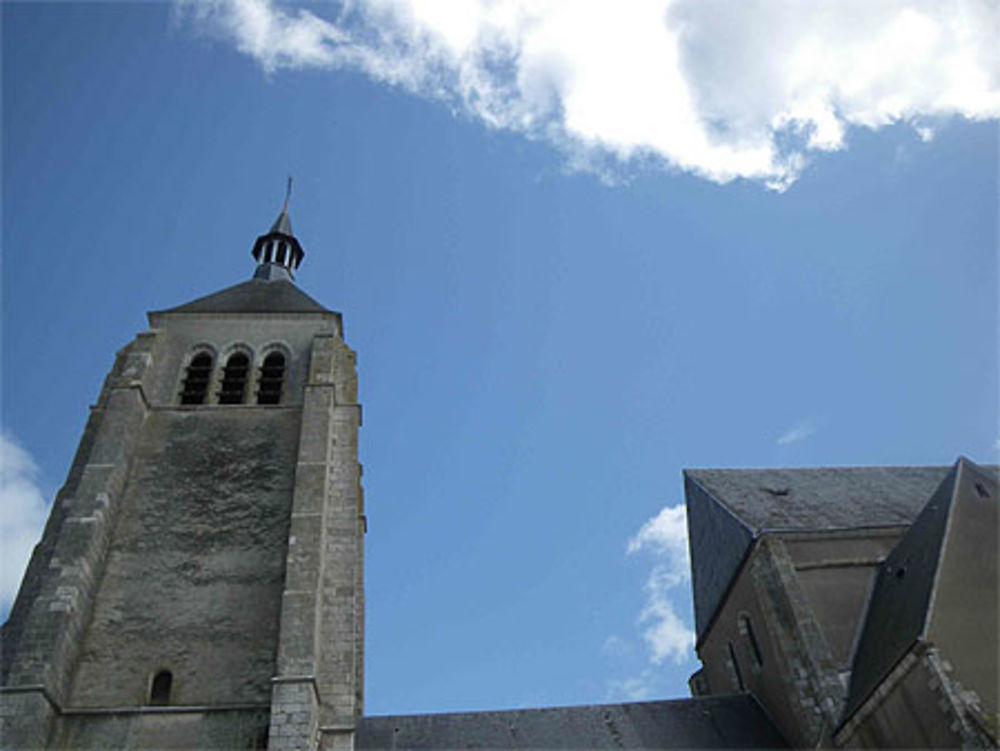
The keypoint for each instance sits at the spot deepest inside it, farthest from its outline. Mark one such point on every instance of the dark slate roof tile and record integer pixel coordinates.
(823, 498)
(718, 541)
(707, 722)
(254, 296)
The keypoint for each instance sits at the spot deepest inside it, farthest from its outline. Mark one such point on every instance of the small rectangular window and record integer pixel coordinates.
(737, 674)
(754, 646)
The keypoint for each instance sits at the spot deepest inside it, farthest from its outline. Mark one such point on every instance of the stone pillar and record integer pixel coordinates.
(316, 696)
(807, 663)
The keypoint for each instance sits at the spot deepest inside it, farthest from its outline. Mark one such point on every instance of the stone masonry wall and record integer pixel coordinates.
(164, 728)
(796, 680)
(194, 576)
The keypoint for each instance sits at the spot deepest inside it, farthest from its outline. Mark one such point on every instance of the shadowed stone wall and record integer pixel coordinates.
(803, 596)
(165, 729)
(194, 576)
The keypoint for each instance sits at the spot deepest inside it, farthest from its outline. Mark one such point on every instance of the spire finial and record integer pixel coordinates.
(278, 253)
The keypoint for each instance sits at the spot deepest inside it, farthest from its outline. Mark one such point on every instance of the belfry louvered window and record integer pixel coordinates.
(272, 376)
(234, 379)
(199, 372)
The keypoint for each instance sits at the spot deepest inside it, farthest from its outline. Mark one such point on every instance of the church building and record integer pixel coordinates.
(199, 583)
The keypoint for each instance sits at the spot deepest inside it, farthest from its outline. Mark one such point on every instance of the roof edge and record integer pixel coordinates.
(821, 467)
(718, 501)
(593, 705)
(247, 313)
(751, 545)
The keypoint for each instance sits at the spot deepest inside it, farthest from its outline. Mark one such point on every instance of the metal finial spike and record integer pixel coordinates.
(288, 192)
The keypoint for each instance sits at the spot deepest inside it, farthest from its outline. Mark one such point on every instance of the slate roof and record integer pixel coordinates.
(901, 600)
(254, 296)
(729, 508)
(706, 722)
(821, 498)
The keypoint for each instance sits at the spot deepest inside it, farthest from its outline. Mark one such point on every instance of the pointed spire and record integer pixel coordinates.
(283, 223)
(278, 253)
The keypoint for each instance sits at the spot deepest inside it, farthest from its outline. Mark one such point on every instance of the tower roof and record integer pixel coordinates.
(271, 290)
(278, 253)
(254, 296)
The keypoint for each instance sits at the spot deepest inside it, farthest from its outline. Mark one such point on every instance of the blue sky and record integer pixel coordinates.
(569, 272)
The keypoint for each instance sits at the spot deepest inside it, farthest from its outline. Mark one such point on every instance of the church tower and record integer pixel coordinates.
(199, 581)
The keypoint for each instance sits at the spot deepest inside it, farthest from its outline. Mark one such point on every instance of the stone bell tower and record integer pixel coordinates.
(199, 582)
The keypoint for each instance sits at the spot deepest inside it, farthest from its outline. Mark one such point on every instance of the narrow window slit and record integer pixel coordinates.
(737, 673)
(755, 652)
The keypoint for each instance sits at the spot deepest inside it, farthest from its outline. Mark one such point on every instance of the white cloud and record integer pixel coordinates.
(664, 631)
(796, 433)
(666, 635)
(717, 88)
(615, 646)
(22, 515)
(665, 533)
(639, 688)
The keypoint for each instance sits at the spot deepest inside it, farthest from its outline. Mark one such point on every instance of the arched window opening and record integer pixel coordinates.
(159, 689)
(268, 252)
(736, 674)
(234, 379)
(199, 372)
(272, 376)
(281, 252)
(747, 628)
